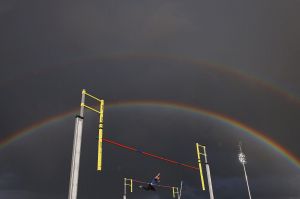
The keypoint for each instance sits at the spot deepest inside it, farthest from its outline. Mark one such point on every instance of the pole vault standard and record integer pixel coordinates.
(199, 153)
(77, 146)
(129, 183)
(77, 142)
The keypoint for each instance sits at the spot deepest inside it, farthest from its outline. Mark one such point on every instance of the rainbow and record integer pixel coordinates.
(221, 68)
(294, 160)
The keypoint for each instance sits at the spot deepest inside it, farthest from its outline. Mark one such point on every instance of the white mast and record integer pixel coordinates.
(76, 152)
(242, 159)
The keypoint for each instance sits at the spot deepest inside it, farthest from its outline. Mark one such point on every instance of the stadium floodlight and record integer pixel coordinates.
(243, 161)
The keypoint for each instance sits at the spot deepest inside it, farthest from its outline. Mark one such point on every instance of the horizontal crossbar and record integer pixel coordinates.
(86, 106)
(149, 154)
(91, 96)
(142, 182)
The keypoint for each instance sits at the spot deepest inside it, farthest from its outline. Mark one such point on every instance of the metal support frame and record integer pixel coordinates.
(100, 132)
(74, 175)
(130, 184)
(199, 153)
(200, 165)
(175, 192)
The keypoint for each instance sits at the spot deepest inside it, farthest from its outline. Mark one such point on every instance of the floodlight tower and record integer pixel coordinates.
(242, 159)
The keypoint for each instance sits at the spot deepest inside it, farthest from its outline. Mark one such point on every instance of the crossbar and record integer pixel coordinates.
(149, 154)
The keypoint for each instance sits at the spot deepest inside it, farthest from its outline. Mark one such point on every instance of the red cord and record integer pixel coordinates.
(148, 154)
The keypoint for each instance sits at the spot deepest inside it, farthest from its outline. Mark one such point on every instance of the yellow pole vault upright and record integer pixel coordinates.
(100, 132)
(200, 165)
(130, 184)
(199, 153)
(175, 192)
(77, 142)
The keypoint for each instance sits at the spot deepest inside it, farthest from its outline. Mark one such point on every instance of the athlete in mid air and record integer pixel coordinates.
(152, 184)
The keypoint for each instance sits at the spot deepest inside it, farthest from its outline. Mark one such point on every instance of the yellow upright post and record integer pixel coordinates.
(126, 184)
(100, 135)
(200, 166)
(175, 191)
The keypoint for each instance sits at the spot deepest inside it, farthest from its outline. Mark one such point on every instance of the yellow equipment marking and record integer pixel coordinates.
(86, 106)
(175, 191)
(126, 184)
(99, 167)
(100, 132)
(200, 166)
(92, 96)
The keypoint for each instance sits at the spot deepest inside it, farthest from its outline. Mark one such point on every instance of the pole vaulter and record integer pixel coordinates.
(150, 186)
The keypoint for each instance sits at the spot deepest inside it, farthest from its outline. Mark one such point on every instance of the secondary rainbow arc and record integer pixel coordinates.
(267, 84)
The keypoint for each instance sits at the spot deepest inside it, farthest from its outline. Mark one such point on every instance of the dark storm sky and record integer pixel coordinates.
(140, 50)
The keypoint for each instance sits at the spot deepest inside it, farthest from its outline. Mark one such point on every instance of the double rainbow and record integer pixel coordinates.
(262, 138)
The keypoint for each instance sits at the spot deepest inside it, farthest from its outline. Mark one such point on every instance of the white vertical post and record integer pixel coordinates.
(211, 193)
(179, 195)
(242, 158)
(124, 196)
(246, 177)
(76, 152)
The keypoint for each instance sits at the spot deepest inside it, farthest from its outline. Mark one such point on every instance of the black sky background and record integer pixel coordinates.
(132, 50)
